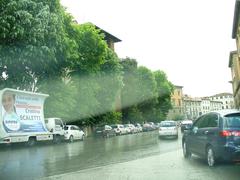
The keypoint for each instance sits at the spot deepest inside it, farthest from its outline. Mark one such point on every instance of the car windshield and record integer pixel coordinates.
(100, 128)
(167, 124)
(186, 122)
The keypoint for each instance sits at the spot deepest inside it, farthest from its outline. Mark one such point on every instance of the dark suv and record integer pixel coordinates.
(214, 136)
(104, 131)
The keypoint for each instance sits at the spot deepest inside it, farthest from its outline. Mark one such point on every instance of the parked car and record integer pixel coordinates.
(134, 129)
(138, 127)
(128, 128)
(214, 136)
(105, 131)
(168, 128)
(73, 132)
(147, 127)
(185, 124)
(119, 129)
(153, 126)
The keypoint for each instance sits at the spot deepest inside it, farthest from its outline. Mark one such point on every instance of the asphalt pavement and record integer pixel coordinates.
(137, 156)
(166, 166)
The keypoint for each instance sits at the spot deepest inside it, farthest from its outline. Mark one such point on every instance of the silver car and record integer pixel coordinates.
(168, 128)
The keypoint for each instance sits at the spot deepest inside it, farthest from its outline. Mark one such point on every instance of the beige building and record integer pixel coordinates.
(195, 107)
(192, 107)
(235, 71)
(234, 63)
(226, 99)
(177, 103)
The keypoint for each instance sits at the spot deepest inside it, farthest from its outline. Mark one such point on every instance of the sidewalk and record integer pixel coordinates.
(168, 166)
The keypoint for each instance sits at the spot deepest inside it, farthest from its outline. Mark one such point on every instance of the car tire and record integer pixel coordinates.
(31, 141)
(186, 153)
(56, 139)
(71, 139)
(210, 156)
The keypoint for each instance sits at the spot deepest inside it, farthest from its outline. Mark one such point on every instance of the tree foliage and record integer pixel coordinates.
(32, 41)
(146, 95)
(43, 49)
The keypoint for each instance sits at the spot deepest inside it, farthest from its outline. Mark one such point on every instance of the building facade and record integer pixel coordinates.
(195, 107)
(177, 103)
(192, 107)
(234, 63)
(226, 99)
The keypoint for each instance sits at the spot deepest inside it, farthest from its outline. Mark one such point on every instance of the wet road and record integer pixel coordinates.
(54, 160)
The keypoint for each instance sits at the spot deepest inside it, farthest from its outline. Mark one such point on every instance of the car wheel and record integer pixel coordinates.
(71, 139)
(31, 141)
(211, 160)
(56, 139)
(186, 152)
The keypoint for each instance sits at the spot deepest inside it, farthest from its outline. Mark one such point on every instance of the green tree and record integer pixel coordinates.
(96, 73)
(146, 92)
(129, 97)
(61, 101)
(33, 42)
(164, 91)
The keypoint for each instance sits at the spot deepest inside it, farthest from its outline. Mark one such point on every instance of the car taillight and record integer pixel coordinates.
(227, 133)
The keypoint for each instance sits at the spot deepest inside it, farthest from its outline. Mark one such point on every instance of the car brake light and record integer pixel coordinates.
(226, 133)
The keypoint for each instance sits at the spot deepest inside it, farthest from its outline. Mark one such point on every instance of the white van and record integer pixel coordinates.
(56, 127)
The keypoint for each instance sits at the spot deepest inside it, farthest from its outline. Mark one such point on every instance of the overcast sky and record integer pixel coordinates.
(190, 40)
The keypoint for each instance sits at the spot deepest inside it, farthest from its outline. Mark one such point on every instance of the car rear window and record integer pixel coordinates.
(232, 121)
(167, 124)
(99, 128)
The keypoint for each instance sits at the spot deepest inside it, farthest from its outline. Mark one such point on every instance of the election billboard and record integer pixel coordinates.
(22, 112)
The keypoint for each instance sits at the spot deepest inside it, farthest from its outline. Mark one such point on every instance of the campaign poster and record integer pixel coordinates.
(22, 112)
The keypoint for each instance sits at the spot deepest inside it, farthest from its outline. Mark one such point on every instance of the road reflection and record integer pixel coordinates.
(19, 162)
